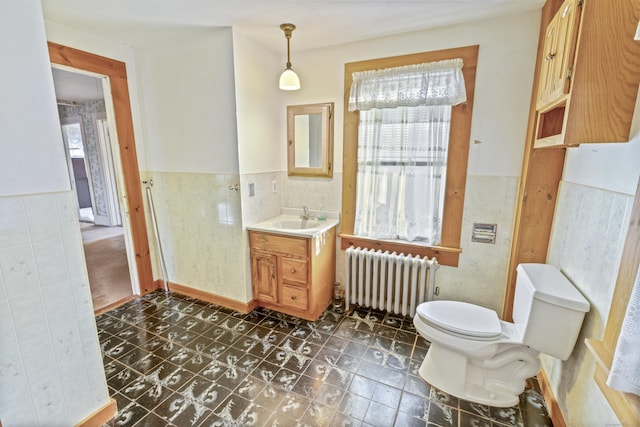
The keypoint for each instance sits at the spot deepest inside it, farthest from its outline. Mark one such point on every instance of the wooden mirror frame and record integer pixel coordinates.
(325, 170)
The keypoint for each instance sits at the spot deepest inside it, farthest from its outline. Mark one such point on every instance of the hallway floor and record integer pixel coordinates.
(107, 264)
(175, 360)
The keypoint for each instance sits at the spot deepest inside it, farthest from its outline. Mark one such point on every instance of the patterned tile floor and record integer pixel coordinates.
(174, 360)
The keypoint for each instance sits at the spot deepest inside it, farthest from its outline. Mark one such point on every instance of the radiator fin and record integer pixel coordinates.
(387, 281)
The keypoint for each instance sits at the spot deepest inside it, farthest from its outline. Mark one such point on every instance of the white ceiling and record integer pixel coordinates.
(320, 23)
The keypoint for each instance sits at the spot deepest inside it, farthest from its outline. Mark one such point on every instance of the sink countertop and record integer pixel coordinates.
(289, 214)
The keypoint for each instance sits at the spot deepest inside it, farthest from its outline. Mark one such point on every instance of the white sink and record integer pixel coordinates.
(294, 224)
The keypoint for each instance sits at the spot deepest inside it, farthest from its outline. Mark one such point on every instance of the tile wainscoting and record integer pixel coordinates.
(50, 358)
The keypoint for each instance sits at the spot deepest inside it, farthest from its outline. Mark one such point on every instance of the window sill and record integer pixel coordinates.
(625, 405)
(445, 255)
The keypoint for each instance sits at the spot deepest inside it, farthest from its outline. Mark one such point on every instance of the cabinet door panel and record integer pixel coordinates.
(264, 277)
(567, 31)
(549, 54)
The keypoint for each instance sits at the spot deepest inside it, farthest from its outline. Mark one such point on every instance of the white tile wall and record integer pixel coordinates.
(315, 193)
(586, 244)
(265, 203)
(50, 358)
(200, 226)
(588, 235)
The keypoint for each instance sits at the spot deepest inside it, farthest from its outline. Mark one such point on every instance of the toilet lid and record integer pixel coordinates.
(461, 318)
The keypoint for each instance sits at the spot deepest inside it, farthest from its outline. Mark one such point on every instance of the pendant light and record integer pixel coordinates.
(289, 79)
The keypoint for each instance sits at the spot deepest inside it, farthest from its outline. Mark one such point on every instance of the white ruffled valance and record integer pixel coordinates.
(432, 83)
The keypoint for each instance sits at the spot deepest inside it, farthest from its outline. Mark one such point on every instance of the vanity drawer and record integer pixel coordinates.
(294, 296)
(295, 270)
(270, 242)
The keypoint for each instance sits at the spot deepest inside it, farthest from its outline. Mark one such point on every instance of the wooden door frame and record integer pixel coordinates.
(117, 74)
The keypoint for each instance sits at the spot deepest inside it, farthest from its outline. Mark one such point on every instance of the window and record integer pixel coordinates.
(72, 134)
(438, 232)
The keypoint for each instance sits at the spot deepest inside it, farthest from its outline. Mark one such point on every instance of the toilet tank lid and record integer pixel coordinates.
(550, 285)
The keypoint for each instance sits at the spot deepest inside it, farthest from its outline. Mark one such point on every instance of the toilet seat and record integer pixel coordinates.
(461, 319)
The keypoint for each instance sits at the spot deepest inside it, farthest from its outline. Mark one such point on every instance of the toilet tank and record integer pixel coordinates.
(547, 309)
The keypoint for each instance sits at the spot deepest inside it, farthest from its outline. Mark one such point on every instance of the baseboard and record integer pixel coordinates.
(242, 307)
(101, 416)
(157, 284)
(552, 404)
(114, 305)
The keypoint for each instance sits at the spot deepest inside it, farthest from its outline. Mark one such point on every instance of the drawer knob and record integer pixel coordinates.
(293, 270)
(293, 297)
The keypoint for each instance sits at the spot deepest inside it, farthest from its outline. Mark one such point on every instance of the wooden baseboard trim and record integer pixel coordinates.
(157, 284)
(114, 305)
(242, 307)
(101, 416)
(552, 404)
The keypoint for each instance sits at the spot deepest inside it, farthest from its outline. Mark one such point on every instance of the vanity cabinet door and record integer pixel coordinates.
(264, 276)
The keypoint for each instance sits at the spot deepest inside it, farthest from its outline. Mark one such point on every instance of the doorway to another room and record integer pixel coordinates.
(85, 131)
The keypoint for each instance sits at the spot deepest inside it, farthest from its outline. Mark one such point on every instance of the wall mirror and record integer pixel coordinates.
(310, 140)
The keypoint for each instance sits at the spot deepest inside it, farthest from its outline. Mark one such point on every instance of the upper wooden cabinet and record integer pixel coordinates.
(589, 73)
(559, 52)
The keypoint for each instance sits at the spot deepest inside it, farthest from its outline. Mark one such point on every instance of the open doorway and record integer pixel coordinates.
(113, 74)
(89, 152)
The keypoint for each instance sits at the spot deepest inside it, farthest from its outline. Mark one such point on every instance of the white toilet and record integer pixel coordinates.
(477, 357)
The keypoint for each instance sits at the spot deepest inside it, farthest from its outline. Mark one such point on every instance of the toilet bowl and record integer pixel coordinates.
(478, 357)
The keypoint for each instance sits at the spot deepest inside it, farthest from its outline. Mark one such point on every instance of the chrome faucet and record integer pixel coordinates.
(305, 213)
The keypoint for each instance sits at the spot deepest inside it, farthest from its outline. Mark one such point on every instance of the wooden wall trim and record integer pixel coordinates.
(116, 72)
(458, 151)
(101, 416)
(113, 305)
(539, 182)
(242, 307)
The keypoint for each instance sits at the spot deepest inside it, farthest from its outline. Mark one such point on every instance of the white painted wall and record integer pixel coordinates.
(614, 167)
(261, 107)
(32, 159)
(503, 83)
(187, 99)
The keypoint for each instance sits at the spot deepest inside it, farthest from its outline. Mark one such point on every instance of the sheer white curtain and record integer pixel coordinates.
(625, 369)
(403, 138)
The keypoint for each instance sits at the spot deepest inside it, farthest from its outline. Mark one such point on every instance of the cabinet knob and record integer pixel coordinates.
(293, 270)
(293, 297)
(549, 57)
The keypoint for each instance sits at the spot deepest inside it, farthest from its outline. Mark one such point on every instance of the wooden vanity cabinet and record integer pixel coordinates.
(292, 274)
(589, 74)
